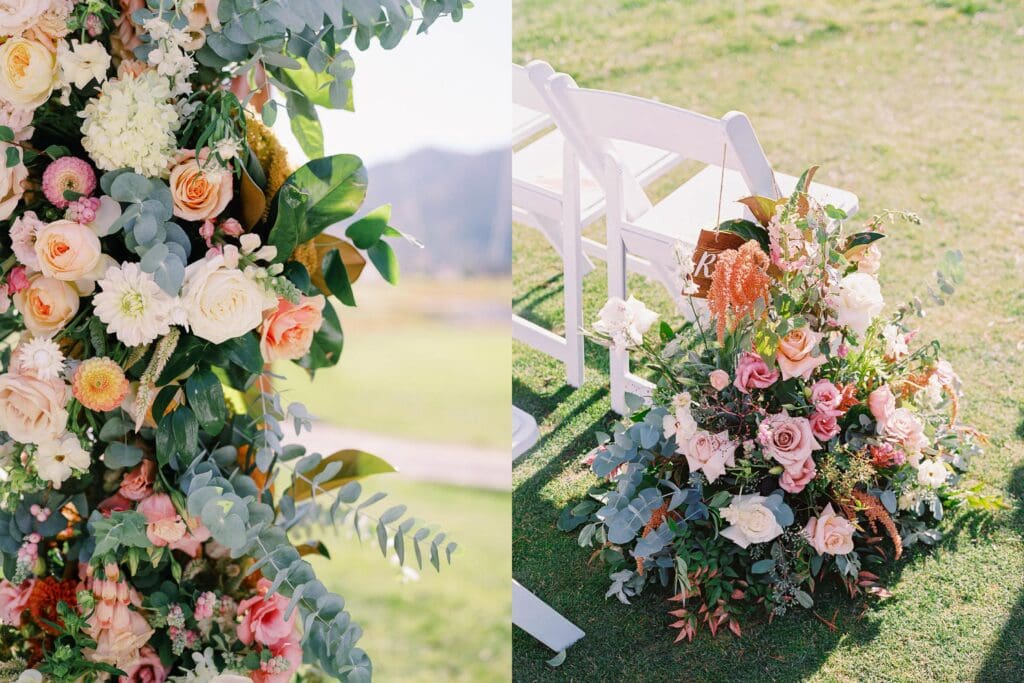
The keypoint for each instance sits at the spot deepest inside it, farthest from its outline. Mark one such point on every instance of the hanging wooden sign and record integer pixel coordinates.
(710, 244)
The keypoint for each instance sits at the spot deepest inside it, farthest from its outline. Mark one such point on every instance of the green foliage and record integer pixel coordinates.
(65, 661)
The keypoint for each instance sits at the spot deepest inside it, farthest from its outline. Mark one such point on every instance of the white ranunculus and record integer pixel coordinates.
(752, 521)
(625, 322)
(932, 473)
(56, 461)
(858, 301)
(222, 303)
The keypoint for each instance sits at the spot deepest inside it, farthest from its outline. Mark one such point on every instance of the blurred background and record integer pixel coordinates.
(423, 379)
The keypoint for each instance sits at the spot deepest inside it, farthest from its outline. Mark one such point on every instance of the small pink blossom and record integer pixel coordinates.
(231, 228)
(17, 279)
(83, 210)
(719, 379)
(206, 231)
(753, 373)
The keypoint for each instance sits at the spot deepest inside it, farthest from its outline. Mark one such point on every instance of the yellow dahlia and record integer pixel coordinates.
(99, 384)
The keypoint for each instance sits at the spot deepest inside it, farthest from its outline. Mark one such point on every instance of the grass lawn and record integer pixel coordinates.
(452, 626)
(410, 369)
(914, 105)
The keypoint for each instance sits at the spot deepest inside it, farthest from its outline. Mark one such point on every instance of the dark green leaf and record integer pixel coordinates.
(383, 258)
(205, 395)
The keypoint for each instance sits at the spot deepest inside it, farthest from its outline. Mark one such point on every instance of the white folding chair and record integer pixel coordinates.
(550, 193)
(735, 167)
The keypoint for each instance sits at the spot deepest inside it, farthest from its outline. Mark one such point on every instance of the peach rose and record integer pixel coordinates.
(165, 527)
(753, 373)
(787, 440)
(794, 482)
(904, 427)
(138, 484)
(711, 453)
(830, 533)
(288, 330)
(68, 251)
(32, 410)
(47, 305)
(12, 184)
(796, 353)
(201, 190)
(263, 619)
(882, 404)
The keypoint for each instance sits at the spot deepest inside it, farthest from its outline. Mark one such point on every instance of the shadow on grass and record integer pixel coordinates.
(1005, 660)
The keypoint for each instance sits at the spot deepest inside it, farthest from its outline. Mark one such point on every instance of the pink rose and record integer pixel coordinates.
(146, 669)
(286, 658)
(823, 425)
(17, 279)
(794, 482)
(138, 484)
(165, 527)
(904, 427)
(115, 503)
(944, 371)
(711, 453)
(830, 533)
(882, 404)
(826, 397)
(787, 440)
(719, 379)
(263, 618)
(796, 353)
(14, 601)
(287, 331)
(753, 373)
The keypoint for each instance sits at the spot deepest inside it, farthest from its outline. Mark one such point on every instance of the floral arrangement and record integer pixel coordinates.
(158, 254)
(795, 433)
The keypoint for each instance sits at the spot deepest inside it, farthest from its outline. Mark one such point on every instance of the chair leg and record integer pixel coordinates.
(619, 358)
(574, 268)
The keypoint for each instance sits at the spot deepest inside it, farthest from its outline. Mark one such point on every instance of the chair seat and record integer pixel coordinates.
(537, 168)
(693, 206)
(527, 122)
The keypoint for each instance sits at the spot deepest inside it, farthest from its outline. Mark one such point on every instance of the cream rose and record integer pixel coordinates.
(752, 521)
(711, 453)
(222, 303)
(830, 533)
(32, 410)
(68, 251)
(904, 427)
(47, 305)
(17, 16)
(12, 184)
(28, 72)
(858, 301)
(201, 190)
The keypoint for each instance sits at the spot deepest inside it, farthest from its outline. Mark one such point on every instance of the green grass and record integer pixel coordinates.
(452, 626)
(408, 369)
(914, 105)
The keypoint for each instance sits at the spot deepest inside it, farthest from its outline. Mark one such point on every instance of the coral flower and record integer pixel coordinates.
(46, 594)
(64, 174)
(99, 384)
(740, 280)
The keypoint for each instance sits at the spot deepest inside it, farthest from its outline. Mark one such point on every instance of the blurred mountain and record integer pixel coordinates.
(456, 204)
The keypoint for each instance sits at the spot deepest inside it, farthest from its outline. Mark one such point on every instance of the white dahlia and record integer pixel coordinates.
(131, 124)
(133, 306)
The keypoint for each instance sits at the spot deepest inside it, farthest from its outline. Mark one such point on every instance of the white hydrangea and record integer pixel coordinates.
(131, 124)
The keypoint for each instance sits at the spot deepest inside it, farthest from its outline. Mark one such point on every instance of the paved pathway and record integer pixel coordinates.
(426, 461)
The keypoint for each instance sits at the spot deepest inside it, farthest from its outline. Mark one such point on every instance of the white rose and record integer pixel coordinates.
(32, 410)
(222, 303)
(28, 72)
(932, 473)
(57, 460)
(626, 322)
(12, 179)
(858, 301)
(751, 520)
(30, 676)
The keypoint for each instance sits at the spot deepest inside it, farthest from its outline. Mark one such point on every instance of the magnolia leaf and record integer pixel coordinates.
(763, 208)
(355, 464)
(324, 244)
(313, 548)
(253, 200)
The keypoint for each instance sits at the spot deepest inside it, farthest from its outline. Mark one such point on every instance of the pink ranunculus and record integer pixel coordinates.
(787, 440)
(138, 483)
(165, 527)
(753, 373)
(263, 619)
(904, 427)
(287, 331)
(798, 353)
(882, 404)
(711, 453)
(17, 279)
(287, 656)
(826, 397)
(719, 379)
(14, 601)
(830, 533)
(823, 425)
(795, 481)
(147, 669)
